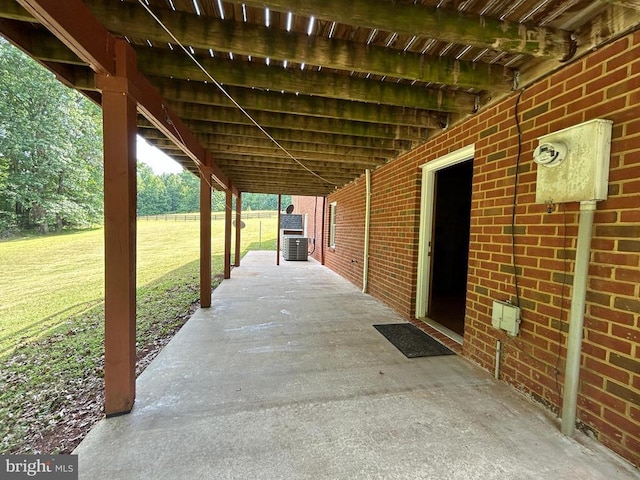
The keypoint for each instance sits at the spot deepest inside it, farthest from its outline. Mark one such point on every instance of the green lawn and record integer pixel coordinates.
(47, 279)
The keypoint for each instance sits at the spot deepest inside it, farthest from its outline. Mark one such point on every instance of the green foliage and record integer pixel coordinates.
(260, 201)
(51, 158)
(50, 150)
(180, 193)
(57, 380)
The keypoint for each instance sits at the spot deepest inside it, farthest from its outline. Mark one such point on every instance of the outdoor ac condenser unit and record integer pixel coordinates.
(295, 247)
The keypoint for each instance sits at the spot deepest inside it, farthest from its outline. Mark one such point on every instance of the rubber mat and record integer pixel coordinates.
(412, 341)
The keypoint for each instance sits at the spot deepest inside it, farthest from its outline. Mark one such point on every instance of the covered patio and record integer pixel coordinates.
(285, 377)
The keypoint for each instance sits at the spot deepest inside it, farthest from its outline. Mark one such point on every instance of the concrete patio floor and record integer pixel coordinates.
(285, 378)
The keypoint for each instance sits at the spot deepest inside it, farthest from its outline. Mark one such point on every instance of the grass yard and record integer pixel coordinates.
(52, 317)
(47, 279)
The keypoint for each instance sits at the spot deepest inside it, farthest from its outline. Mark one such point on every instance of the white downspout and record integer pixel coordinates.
(367, 221)
(576, 318)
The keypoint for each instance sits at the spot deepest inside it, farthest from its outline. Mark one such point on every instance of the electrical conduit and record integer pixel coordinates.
(367, 221)
(576, 318)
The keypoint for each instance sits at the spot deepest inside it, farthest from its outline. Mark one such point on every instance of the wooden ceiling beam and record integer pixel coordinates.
(439, 23)
(332, 164)
(265, 164)
(296, 178)
(258, 166)
(273, 101)
(12, 10)
(230, 142)
(282, 134)
(258, 75)
(39, 44)
(204, 32)
(75, 26)
(193, 111)
(274, 187)
(274, 152)
(15, 32)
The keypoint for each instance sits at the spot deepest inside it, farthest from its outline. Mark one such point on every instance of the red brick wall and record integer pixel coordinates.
(605, 84)
(312, 207)
(347, 256)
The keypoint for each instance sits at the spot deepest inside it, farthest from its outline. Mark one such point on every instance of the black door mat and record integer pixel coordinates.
(412, 341)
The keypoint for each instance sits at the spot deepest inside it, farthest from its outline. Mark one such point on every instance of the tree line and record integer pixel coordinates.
(180, 193)
(51, 161)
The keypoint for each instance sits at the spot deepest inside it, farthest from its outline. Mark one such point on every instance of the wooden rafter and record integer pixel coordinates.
(258, 75)
(194, 111)
(349, 156)
(202, 32)
(278, 102)
(284, 134)
(379, 77)
(441, 24)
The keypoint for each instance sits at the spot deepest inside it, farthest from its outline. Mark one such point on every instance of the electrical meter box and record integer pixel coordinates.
(573, 164)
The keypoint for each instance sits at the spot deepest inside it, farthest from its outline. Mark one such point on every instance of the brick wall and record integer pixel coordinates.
(605, 84)
(347, 256)
(313, 208)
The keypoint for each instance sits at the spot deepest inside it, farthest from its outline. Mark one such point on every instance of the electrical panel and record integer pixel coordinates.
(506, 316)
(573, 164)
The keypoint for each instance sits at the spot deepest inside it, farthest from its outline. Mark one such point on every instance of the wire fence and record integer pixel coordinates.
(195, 217)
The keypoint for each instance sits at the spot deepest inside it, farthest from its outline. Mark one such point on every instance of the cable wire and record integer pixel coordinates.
(228, 95)
(515, 201)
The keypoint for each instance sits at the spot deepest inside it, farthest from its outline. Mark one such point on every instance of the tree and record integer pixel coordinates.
(50, 149)
(262, 201)
(190, 193)
(152, 193)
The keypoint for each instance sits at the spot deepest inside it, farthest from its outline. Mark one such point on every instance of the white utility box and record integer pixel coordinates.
(573, 164)
(506, 317)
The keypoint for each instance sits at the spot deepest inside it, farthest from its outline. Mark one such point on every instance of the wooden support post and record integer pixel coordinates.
(228, 208)
(119, 125)
(238, 228)
(278, 232)
(205, 236)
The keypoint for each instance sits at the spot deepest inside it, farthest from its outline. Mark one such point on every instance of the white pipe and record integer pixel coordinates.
(576, 318)
(497, 369)
(367, 221)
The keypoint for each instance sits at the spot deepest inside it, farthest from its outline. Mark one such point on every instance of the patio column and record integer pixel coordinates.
(205, 236)
(238, 227)
(119, 128)
(228, 208)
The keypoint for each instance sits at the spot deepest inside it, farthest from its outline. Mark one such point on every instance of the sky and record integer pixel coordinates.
(158, 161)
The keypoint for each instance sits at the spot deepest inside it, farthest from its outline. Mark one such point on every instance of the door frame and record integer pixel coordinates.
(427, 212)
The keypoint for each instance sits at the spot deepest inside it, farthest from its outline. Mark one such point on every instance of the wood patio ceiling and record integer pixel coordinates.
(343, 86)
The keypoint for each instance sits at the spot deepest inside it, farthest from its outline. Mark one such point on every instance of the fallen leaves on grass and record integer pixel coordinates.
(54, 416)
(52, 390)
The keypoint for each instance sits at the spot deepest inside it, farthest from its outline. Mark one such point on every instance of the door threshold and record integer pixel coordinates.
(456, 337)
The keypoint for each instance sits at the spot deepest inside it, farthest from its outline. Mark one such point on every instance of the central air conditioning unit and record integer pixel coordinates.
(295, 247)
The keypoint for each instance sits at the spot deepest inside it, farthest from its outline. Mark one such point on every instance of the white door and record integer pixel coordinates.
(429, 170)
